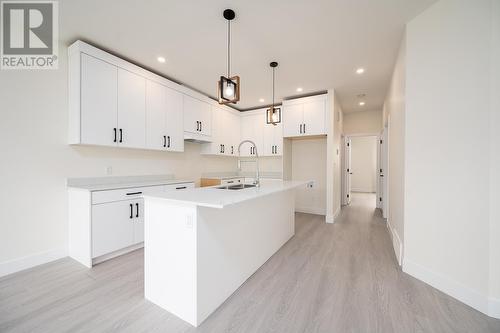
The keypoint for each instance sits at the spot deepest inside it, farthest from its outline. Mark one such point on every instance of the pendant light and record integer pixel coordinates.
(273, 114)
(228, 87)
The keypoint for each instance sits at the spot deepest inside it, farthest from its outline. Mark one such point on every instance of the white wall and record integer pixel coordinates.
(364, 163)
(308, 162)
(495, 159)
(36, 160)
(448, 122)
(394, 118)
(362, 122)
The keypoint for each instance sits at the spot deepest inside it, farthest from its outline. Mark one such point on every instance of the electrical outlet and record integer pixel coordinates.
(109, 170)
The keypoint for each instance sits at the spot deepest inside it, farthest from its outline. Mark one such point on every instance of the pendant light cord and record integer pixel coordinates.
(228, 48)
(272, 106)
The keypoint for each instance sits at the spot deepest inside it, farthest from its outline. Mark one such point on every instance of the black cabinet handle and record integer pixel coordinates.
(134, 193)
(223, 149)
(121, 135)
(197, 125)
(300, 130)
(201, 126)
(137, 210)
(114, 130)
(168, 144)
(181, 188)
(232, 150)
(230, 181)
(164, 141)
(304, 128)
(131, 211)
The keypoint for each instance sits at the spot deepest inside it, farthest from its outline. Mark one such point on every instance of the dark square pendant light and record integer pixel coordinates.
(228, 88)
(273, 114)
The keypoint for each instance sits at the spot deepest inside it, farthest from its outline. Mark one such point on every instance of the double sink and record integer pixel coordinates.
(235, 187)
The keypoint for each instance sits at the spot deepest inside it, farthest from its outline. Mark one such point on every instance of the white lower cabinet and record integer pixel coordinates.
(109, 223)
(114, 226)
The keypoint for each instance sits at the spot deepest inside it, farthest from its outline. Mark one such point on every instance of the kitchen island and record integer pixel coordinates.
(202, 244)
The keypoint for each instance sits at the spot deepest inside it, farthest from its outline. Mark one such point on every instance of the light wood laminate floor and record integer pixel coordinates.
(328, 278)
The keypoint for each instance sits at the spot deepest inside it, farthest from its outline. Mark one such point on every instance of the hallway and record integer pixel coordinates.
(340, 277)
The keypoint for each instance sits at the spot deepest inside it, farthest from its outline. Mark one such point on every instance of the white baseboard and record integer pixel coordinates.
(16, 265)
(311, 210)
(488, 306)
(396, 243)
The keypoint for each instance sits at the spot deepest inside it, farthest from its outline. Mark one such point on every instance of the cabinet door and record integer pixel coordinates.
(131, 109)
(269, 130)
(292, 119)
(234, 134)
(197, 116)
(278, 140)
(156, 106)
(247, 133)
(138, 221)
(112, 227)
(98, 101)
(315, 117)
(175, 131)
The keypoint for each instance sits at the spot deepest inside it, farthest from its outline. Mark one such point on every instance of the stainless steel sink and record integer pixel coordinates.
(236, 187)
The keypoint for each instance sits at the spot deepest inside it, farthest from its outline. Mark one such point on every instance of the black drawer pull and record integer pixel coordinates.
(131, 211)
(134, 193)
(137, 211)
(164, 141)
(114, 130)
(168, 144)
(230, 182)
(121, 135)
(181, 187)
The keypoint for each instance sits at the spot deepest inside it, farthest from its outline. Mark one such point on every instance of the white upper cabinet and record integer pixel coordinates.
(99, 111)
(164, 109)
(131, 110)
(304, 116)
(197, 116)
(252, 128)
(273, 139)
(225, 133)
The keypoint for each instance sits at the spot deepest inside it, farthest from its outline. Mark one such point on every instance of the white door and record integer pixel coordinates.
(383, 176)
(98, 102)
(131, 109)
(234, 130)
(293, 118)
(175, 120)
(314, 118)
(205, 116)
(156, 105)
(112, 227)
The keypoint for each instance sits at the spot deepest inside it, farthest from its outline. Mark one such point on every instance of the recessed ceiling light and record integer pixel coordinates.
(299, 89)
(161, 59)
(360, 70)
(261, 100)
(361, 103)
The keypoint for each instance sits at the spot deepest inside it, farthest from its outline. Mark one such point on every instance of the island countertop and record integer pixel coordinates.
(214, 197)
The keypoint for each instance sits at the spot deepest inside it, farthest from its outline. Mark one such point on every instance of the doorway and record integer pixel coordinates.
(361, 165)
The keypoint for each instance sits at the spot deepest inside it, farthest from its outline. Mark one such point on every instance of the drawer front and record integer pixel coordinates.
(181, 186)
(232, 181)
(133, 193)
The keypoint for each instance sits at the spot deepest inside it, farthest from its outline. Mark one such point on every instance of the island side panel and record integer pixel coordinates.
(235, 241)
(170, 257)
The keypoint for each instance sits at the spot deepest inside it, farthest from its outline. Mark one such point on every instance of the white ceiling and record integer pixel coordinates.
(318, 43)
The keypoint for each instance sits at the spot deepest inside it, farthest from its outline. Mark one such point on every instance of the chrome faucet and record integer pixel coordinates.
(256, 161)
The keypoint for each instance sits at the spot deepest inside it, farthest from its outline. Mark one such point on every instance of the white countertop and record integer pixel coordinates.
(219, 198)
(112, 183)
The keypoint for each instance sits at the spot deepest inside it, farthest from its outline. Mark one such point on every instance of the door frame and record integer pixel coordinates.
(346, 137)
